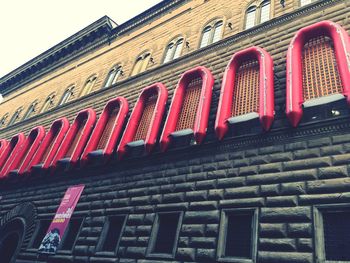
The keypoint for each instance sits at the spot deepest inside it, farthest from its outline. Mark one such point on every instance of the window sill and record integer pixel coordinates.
(106, 253)
(236, 260)
(160, 256)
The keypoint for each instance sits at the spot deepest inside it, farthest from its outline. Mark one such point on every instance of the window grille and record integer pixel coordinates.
(108, 128)
(146, 118)
(190, 105)
(49, 147)
(246, 93)
(320, 71)
(76, 139)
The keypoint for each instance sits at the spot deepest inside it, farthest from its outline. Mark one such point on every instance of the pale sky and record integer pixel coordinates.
(30, 27)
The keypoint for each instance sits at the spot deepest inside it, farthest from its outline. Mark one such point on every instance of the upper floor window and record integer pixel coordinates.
(89, 84)
(3, 120)
(67, 95)
(31, 110)
(48, 103)
(174, 49)
(318, 72)
(246, 93)
(306, 2)
(141, 64)
(257, 13)
(212, 33)
(15, 116)
(113, 76)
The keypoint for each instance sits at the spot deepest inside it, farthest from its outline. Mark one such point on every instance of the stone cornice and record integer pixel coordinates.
(188, 57)
(93, 36)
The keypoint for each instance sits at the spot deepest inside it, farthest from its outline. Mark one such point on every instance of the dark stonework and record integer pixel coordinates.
(283, 174)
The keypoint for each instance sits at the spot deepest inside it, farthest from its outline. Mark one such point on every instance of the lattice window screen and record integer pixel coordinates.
(107, 130)
(146, 118)
(76, 139)
(246, 93)
(190, 105)
(12, 146)
(48, 148)
(320, 70)
(27, 149)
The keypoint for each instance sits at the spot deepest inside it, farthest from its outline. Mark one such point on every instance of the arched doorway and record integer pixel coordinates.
(11, 238)
(16, 229)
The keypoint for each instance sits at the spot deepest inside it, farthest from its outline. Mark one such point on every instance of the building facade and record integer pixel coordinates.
(231, 138)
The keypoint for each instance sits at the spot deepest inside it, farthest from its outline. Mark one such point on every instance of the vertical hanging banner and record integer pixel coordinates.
(59, 224)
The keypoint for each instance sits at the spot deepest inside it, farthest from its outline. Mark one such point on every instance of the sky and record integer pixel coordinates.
(30, 27)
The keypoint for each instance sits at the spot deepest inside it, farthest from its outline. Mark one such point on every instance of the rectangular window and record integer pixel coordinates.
(217, 32)
(40, 232)
(238, 235)
(250, 18)
(332, 231)
(165, 234)
(265, 12)
(111, 233)
(71, 234)
(205, 37)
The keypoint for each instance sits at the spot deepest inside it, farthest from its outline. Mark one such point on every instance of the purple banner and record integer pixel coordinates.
(60, 222)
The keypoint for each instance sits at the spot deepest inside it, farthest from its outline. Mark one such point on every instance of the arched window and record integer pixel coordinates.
(15, 116)
(48, 103)
(31, 110)
(67, 95)
(317, 69)
(173, 50)
(141, 64)
(247, 91)
(144, 123)
(89, 84)
(113, 76)
(3, 120)
(211, 33)
(189, 110)
(257, 13)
